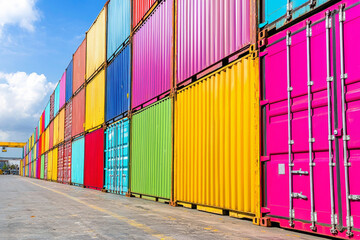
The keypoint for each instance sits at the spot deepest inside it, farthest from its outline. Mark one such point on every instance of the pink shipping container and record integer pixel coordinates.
(62, 90)
(60, 164)
(311, 112)
(68, 120)
(140, 8)
(67, 162)
(208, 31)
(152, 56)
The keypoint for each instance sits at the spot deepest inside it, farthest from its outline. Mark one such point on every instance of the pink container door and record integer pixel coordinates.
(304, 127)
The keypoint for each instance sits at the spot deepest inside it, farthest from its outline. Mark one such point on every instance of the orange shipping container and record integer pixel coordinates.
(78, 113)
(79, 67)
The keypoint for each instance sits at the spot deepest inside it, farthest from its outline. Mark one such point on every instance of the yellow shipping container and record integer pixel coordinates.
(95, 44)
(95, 101)
(49, 165)
(216, 164)
(47, 140)
(61, 125)
(54, 164)
(56, 131)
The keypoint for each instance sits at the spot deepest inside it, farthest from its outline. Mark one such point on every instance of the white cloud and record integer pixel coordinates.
(18, 12)
(22, 100)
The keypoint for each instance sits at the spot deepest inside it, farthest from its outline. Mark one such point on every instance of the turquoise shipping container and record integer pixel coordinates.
(57, 99)
(47, 115)
(77, 161)
(117, 157)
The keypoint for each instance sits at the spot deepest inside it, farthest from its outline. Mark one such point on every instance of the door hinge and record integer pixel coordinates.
(334, 219)
(288, 39)
(350, 221)
(342, 14)
(289, 7)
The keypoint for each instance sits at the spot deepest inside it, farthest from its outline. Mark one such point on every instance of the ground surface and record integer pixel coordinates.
(35, 209)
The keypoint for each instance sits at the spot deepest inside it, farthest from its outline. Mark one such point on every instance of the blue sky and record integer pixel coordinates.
(37, 40)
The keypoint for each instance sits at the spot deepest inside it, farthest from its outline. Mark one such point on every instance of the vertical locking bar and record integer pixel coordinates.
(311, 139)
(290, 141)
(343, 113)
(329, 79)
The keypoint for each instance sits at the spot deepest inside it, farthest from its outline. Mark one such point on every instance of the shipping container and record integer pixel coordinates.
(42, 167)
(69, 81)
(152, 55)
(46, 155)
(79, 67)
(209, 31)
(117, 157)
(67, 163)
(276, 14)
(52, 99)
(68, 121)
(151, 151)
(47, 139)
(310, 124)
(62, 94)
(57, 99)
(60, 164)
(94, 160)
(118, 85)
(118, 26)
(47, 115)
(78, 113)
(217, 141)
(38, 167)
(95, 101)
(49, 165)
(61, 125)
(56, 131)
(96, 45)
(51, 135)
(140, 9)
(54, 164)
(77, 161)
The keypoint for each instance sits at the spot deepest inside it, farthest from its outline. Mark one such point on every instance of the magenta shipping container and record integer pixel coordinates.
(311, 111)
(62, 90)
(208, 31)
(152, 54)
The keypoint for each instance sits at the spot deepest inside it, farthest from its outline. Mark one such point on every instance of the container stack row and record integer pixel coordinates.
(245, 108)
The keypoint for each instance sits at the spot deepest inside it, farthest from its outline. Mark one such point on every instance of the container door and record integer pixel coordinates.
(125, 157)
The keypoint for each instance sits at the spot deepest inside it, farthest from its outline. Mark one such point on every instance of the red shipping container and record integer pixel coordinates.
(78, 113)
(67, 163)
(51, 135)
(52, 98)
(68, 120)
(45, 165)
(140, 8)
(94, 160)
(79, 66)
(60, 170)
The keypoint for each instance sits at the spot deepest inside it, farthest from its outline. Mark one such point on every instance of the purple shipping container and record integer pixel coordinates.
(208, 31)
(152, 55)
(62, 90)
(311, 145)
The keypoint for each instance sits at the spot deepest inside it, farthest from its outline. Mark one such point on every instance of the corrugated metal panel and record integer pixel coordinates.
(208, 31)
(47, 139)
(67, 162)
(94, 160)
(151, 150)
(61, 125)
(47, 115)
(117, 157)
(69, 81)
(54, 164)
(38, 167)
(77, 161)
(217, 140)
(52, 100)
(49, 165)
(118, 85)
(56, 131)
(42, 168)
(79, 66)
(78, 113)
(60, 164)
(152, 54)
(95, 101)
(51, 135)
(62, 95)
(57, 99)
(140, 8)
(68, 121)
(95, 40)
(46, 157)
(118, 25)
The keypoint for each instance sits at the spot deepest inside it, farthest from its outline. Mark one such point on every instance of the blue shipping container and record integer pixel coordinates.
(77, 161)
(118, 25)
(69, 81)
(118, 85)
(275, 14)
(47, 115)
(117, 157)
(57, 99)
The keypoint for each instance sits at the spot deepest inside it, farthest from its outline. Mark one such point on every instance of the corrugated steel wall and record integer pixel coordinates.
(152, 55)
(151, 150)
(68, 121)
(47, 115)
(67, 162)
(79, 66)
(57, 99)
(62, 94)
(95, 101)
(52, 100)
(54, 164)
(140, 8)
(118, 25)
(60, 163)
(96, 48)
(69, 81)
(77, 161)
(217, 139)
(78, 113)
(61, 125)
(42, 168)
(49, 165)
(118, 85)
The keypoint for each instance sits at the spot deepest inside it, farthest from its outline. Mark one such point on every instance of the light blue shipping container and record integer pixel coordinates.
(275, 14)
(69, 81)
(47, 115)
(118, 85)
(77, 161)
(57, 99)
(117, 157)
(118, 25)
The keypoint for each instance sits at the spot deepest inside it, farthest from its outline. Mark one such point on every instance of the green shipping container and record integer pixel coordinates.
(151, 150)
(42, 167)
